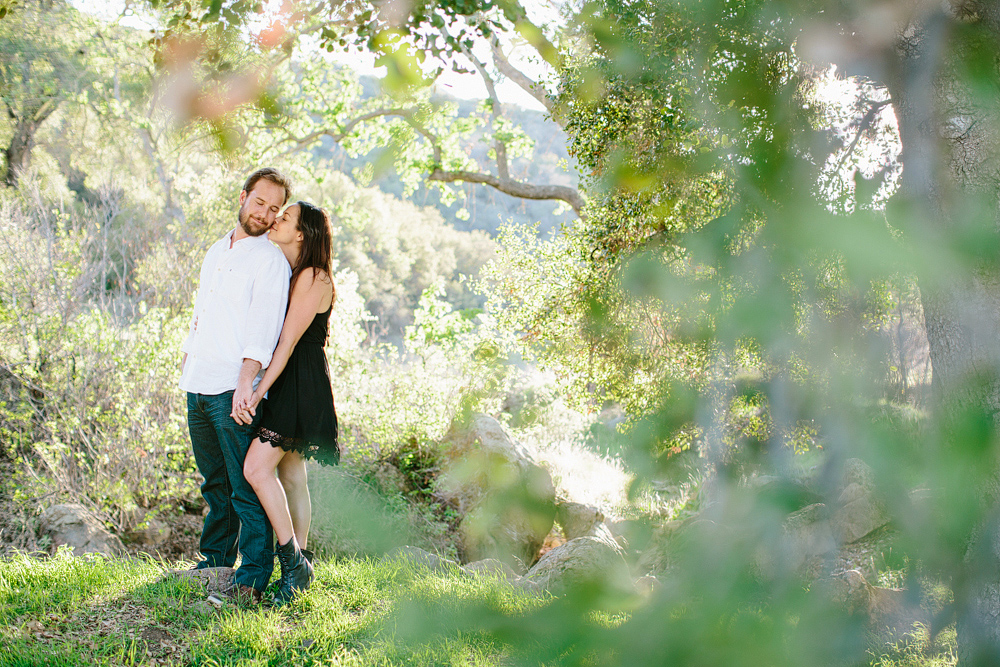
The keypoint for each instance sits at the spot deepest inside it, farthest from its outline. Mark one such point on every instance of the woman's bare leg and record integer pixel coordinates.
(258, 468)
(292, 473)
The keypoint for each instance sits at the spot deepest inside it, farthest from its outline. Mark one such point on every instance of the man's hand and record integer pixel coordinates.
(244, 392)
(245, 412)
(241, 399)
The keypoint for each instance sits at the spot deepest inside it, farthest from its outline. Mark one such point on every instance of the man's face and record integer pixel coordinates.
(260, 206)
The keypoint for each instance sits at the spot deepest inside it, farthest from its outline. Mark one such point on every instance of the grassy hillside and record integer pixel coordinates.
(487, 208)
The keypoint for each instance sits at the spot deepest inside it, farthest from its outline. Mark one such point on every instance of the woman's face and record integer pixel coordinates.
(286, 226)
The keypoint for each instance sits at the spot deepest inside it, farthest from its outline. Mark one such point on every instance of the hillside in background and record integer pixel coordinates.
(487, 208)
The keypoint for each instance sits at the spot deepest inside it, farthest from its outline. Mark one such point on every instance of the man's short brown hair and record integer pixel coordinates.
(270, 174)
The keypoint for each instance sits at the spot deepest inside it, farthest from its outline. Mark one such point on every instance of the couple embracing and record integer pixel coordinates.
(258, 385)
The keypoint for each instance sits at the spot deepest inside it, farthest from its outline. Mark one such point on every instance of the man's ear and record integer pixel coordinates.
(243, 196)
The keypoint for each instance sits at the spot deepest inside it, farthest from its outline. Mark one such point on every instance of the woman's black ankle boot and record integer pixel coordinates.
(296, 572)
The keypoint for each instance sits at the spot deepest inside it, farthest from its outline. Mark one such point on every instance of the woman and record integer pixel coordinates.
(298, 417)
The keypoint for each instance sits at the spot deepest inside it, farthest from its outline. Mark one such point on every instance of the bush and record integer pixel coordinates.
(88, 372)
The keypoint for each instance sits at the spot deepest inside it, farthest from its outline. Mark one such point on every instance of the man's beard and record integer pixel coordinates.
(251, 227)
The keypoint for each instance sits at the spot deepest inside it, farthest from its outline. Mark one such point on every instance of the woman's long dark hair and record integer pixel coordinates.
(317, 242)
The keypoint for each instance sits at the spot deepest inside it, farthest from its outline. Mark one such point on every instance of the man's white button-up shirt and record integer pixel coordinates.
(238, 313)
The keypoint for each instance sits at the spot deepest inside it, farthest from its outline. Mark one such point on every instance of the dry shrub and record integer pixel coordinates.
(88, 370)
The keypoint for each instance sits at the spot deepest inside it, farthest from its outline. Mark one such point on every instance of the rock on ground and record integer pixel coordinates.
(577, 520)
(506, 499)
(75, 526)
(859, 512)
(154, 533)
(214, 579)
(890, 613)
(585, 561)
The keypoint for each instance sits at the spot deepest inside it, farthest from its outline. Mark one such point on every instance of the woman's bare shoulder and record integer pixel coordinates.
(313, 286)
(310, 277)
(311, 274)
(322, 276)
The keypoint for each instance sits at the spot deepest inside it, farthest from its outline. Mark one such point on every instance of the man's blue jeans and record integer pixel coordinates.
(234, 512)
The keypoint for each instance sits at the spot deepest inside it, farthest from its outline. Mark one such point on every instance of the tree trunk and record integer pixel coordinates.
(18, 152)
(948, 191)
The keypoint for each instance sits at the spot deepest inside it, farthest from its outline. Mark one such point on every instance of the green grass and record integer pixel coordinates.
(359, 612)
(917, 650)
(73, 611)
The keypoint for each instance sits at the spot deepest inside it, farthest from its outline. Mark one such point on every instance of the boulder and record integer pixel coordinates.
(817, 530)
(506, 499)
(214, 579)
(859, 509)
(479, 457)
(858, 472)
(583, 562)
(509, 525)
(75, 526)
(578, 520)
(151, 533)
(806, 535)
(602, 532)
(889, 612)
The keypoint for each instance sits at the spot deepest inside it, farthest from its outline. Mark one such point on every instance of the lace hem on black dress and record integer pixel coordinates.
(325, 455)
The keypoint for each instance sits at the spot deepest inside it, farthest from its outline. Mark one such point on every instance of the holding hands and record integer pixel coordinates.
(245, 398)
(245, 407)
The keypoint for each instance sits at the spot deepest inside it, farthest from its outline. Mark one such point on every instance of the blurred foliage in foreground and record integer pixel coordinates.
(740, 247)
(745, 244)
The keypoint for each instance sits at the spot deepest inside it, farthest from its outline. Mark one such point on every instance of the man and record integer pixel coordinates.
(238, 314)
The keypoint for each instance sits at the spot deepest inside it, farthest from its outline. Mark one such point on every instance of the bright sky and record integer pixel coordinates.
(468, 86)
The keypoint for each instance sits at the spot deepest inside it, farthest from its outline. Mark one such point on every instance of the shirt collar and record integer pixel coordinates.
(247, 242)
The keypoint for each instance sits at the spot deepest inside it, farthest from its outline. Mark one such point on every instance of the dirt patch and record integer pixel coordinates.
(185, 532)
(107, 619)
(158, 643)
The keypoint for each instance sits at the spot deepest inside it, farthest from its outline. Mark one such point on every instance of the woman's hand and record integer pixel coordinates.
(246, 409)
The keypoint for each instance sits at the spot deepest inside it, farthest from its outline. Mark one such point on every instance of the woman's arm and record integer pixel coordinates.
(308, 292)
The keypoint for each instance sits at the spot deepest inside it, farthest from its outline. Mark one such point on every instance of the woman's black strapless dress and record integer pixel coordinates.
(298, 413)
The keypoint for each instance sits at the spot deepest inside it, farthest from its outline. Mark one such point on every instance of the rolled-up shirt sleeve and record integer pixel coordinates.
(268, 302)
